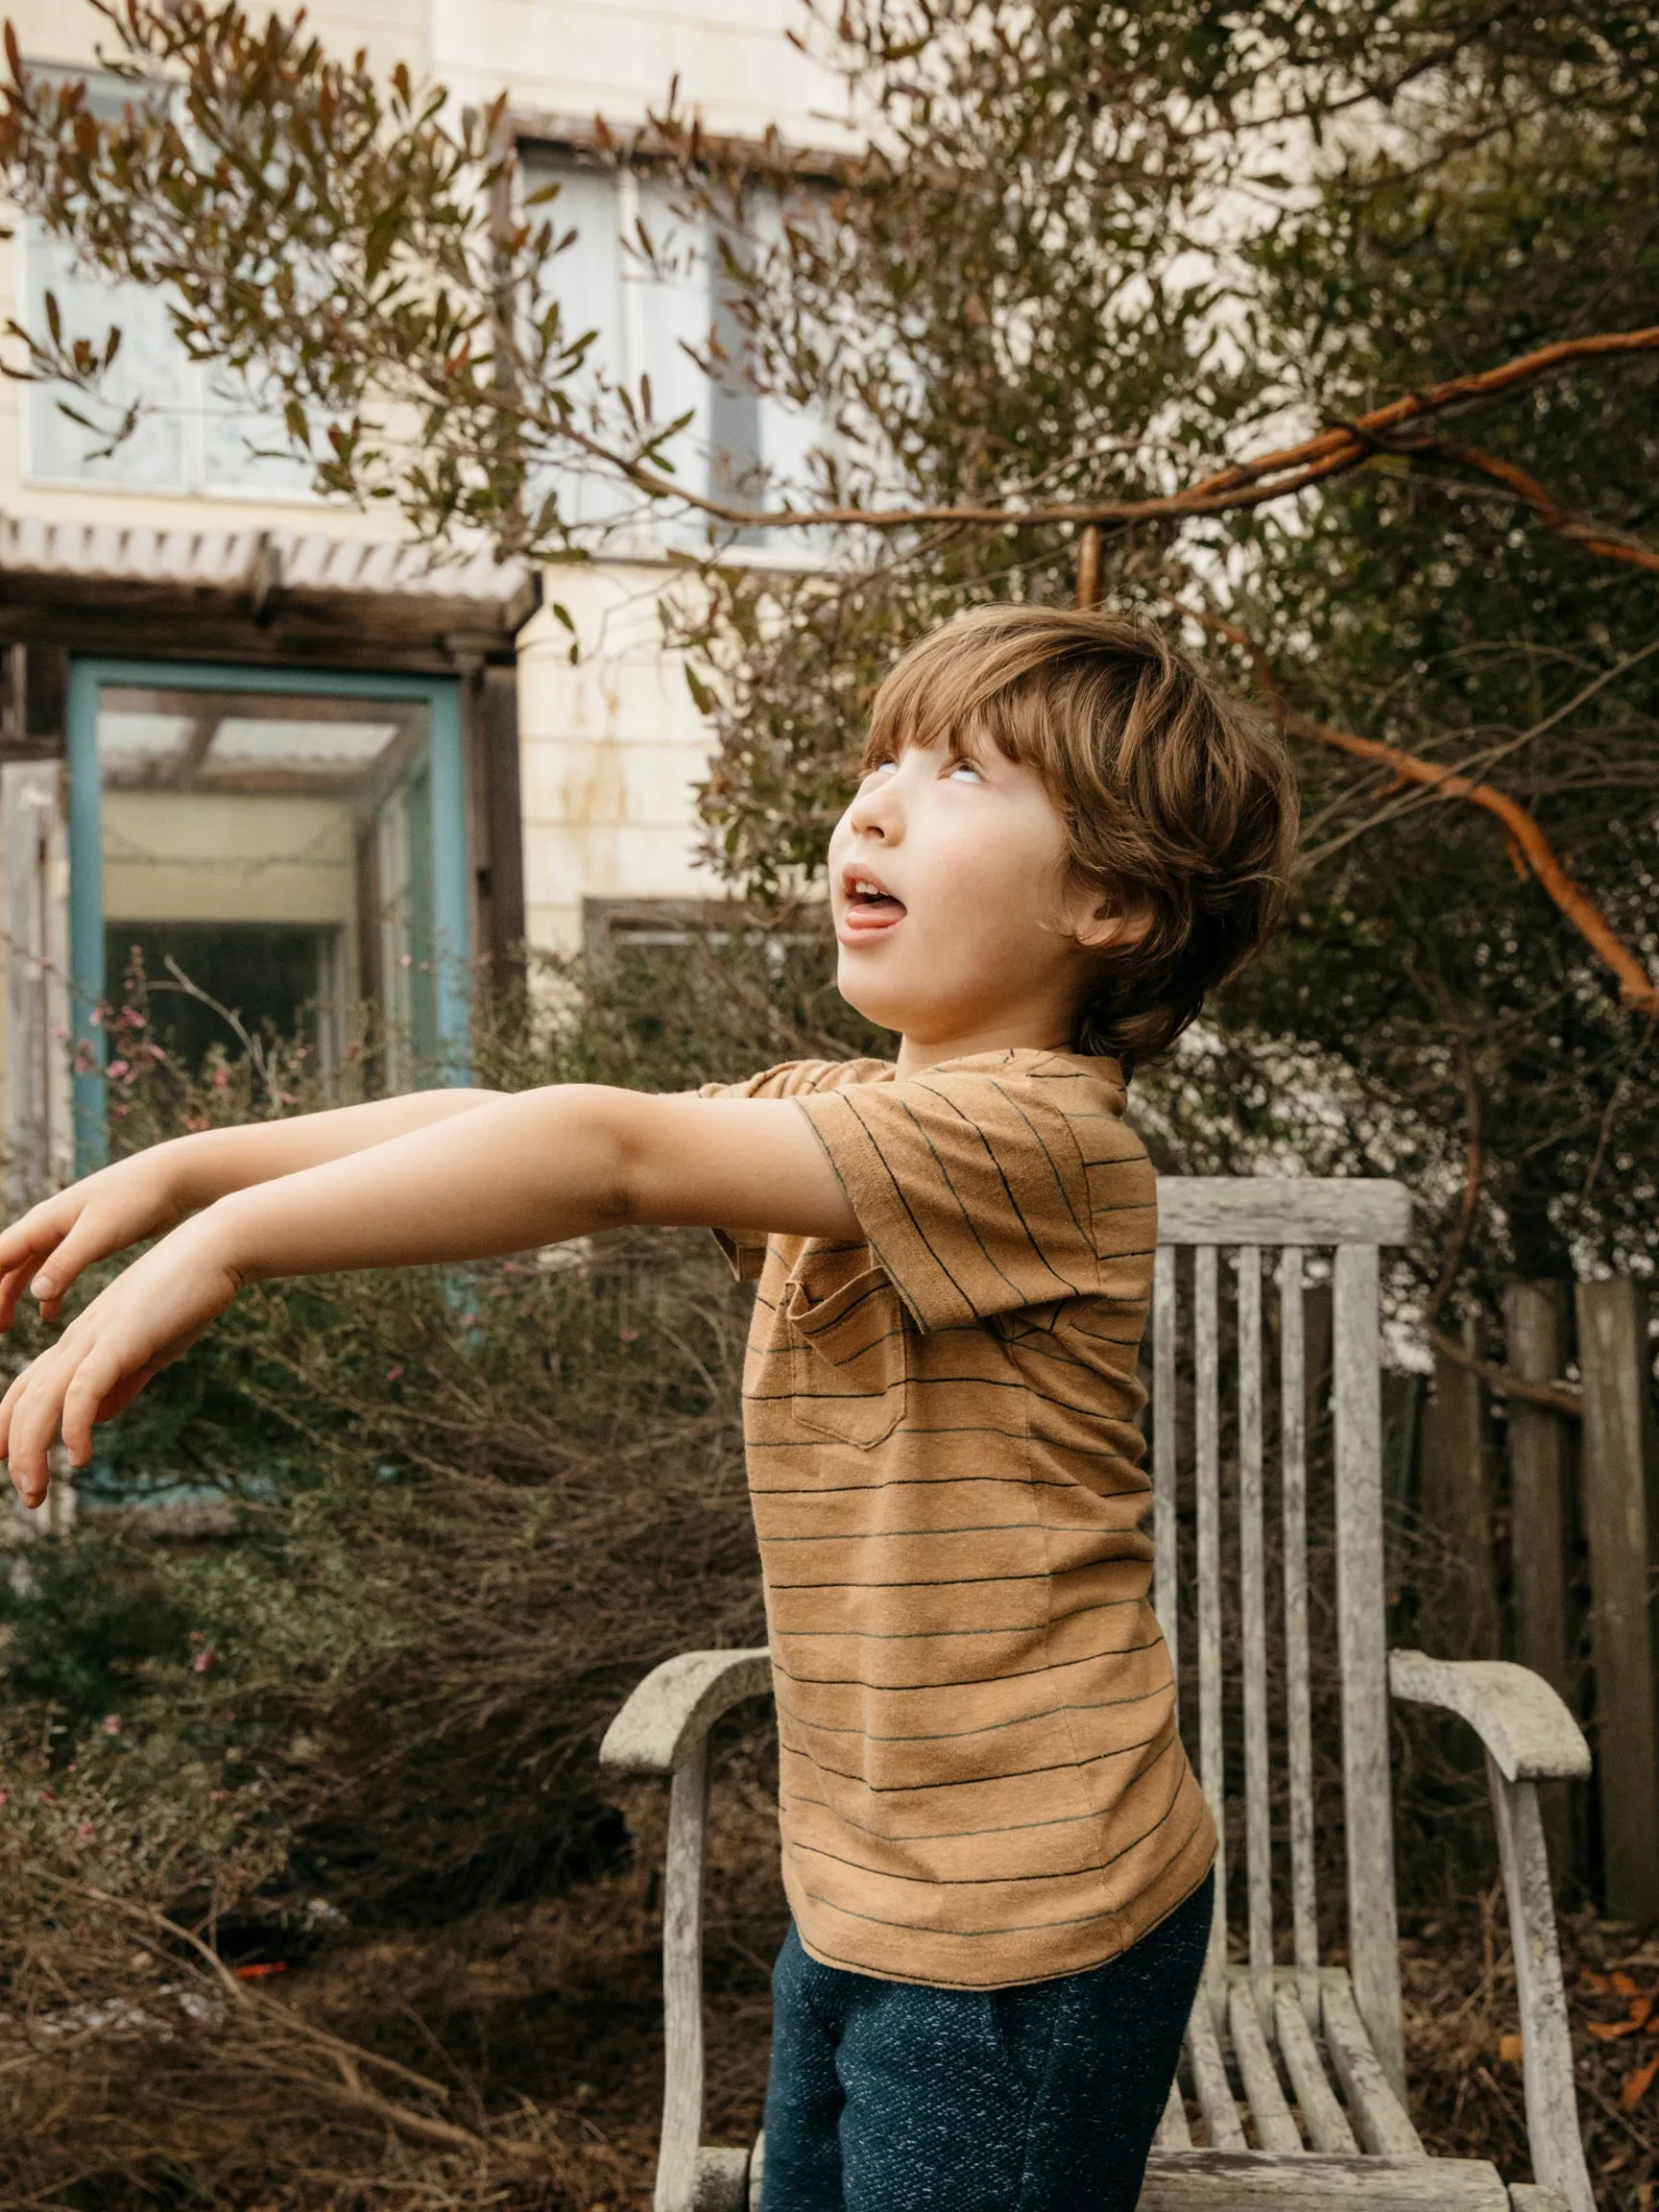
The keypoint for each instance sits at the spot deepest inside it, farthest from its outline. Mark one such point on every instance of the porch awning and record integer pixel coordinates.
(307, 585)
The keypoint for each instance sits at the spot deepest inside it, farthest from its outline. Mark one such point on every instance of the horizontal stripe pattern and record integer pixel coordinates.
(981, 1782)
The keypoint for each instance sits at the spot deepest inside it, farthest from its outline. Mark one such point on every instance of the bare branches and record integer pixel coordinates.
(1529, 847)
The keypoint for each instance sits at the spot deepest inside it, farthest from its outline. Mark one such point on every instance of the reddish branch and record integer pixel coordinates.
(1252, 483)
(1529, 847)
(1580, 530)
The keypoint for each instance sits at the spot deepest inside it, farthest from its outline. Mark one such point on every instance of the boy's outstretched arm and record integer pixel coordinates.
(46, 1249)
(515, 1173)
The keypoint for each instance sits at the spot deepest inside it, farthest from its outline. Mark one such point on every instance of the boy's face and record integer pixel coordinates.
(959, 918)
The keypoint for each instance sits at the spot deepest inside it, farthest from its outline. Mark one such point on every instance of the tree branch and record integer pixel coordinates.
(1580, 530)
(1528, 846)
(1553, 1397)
(1254, 483)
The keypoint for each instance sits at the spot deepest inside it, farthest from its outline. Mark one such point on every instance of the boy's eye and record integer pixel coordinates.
(883, 767)
(965, 768)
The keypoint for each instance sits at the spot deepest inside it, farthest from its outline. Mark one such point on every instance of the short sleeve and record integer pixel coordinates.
(972, 1186)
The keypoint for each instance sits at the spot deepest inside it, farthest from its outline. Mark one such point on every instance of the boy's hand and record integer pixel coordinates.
(54, 1241)
(142, 1323)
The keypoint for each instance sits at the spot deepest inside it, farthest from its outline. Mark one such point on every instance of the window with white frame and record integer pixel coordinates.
(202, 429)
(651, 314)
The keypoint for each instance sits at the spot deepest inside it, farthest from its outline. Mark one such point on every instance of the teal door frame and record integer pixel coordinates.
(88, 983)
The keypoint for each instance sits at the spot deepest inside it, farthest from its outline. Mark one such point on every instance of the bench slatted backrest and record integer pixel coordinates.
(1269, 1226)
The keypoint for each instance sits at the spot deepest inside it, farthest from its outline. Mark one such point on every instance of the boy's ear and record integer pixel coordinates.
(1104, 925)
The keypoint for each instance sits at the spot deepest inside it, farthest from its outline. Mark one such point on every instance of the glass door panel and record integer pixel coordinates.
(267, 847)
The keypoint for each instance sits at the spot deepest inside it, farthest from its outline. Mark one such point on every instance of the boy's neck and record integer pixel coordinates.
(916, 1053)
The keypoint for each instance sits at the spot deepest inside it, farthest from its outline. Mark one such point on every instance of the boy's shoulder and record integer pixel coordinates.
(988, 1183)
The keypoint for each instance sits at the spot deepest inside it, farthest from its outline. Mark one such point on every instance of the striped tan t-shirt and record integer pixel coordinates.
(982, 1779)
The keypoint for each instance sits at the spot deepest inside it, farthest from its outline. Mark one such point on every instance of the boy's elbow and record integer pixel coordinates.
(627, 1148)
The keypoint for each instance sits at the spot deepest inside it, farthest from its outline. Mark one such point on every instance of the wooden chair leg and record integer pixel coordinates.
(682, 1984)
(1546, 2043)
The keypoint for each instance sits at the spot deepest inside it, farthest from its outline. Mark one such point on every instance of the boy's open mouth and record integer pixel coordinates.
(869, 905)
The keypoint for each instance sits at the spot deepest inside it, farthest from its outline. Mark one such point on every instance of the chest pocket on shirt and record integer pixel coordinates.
(850, 1359)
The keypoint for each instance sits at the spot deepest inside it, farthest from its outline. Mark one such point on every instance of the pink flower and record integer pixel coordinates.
(393, 1374)
(629, 1336)
(111, 1723)
(118, 1068)
(203, 1659)
(405, 959)
(5, 1796)
(86, 1832)
(217, 1797)
(96, 1018)
(221, 1078)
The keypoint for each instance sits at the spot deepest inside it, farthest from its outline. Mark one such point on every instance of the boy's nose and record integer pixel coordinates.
(878, 811)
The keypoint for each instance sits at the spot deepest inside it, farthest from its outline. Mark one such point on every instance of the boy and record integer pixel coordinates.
(996, 1858)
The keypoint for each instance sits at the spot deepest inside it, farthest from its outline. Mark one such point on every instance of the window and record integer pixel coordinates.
(613, 929)
(648, 318)
(204, 430)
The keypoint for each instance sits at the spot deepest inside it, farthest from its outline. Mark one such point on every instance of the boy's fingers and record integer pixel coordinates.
(57, 1270)
(17, 1272)
(12, 1284)
(95, 1378)
(39, 1229)
(33, 1426)
(7, 1403)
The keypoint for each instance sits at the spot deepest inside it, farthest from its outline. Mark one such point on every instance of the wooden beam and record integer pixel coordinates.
(1619, 1484)
(1540, 1516)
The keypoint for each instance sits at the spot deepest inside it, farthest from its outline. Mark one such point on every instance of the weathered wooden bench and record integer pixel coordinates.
(1296, 2069)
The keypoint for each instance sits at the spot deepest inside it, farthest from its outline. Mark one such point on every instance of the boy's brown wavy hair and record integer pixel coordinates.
(1178, 798)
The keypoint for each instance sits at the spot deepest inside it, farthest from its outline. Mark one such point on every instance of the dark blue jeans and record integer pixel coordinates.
(885, 2097)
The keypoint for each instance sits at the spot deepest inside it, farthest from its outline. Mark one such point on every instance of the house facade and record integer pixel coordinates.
(253, 736)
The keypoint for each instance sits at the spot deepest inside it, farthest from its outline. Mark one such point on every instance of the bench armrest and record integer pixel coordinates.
(1519, 1720)
(670, 1713)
